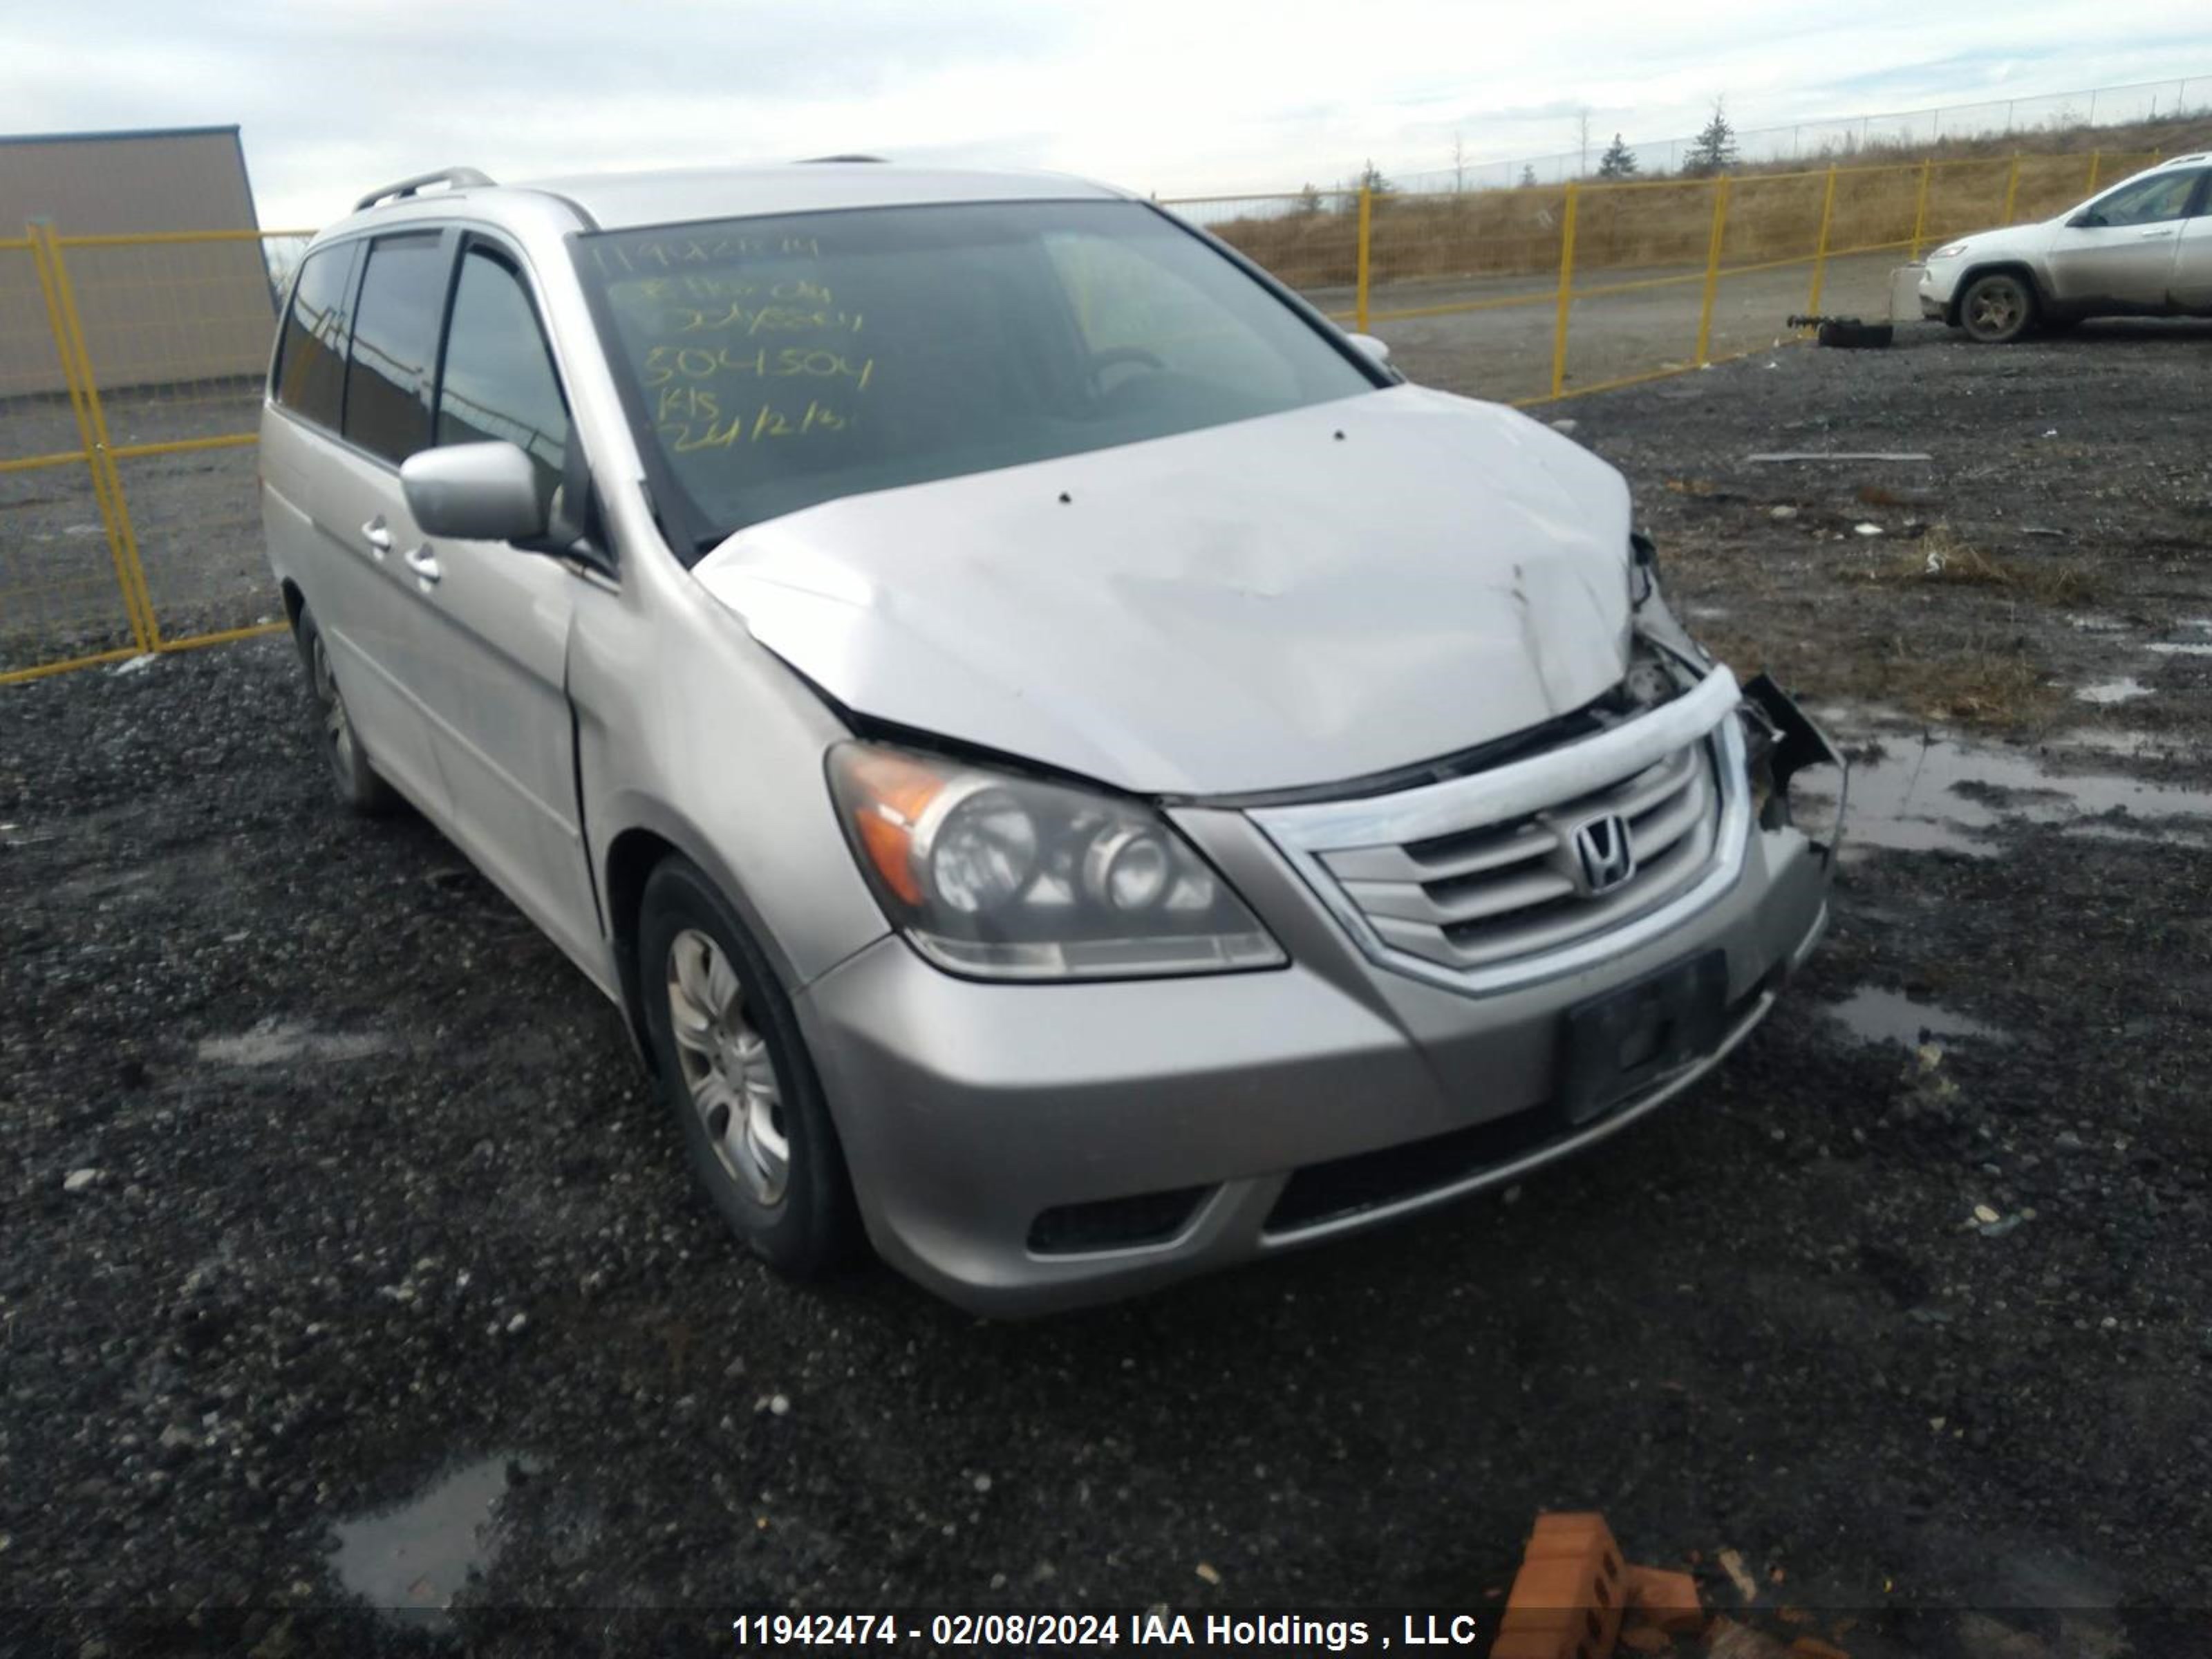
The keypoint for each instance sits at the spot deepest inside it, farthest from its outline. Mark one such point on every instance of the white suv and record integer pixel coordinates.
(2143, 248)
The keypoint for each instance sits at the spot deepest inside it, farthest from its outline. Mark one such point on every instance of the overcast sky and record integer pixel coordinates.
(1176, 96)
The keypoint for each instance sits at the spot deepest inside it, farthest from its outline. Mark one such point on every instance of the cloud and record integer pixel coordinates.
(335, 96)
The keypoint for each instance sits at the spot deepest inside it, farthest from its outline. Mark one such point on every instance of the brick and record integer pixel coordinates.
(1569, 1596)
(1668, 1599)
(1812, 1647)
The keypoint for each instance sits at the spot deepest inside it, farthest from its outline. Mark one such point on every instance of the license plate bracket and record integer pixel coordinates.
(1614, 1045)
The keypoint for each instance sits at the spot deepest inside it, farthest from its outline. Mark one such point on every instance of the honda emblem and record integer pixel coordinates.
(1603, 858)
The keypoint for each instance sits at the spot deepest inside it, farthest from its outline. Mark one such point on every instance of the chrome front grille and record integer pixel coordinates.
(1474, 882)
(1497, 891)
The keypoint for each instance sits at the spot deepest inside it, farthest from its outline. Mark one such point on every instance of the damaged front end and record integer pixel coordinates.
(1790, 760)
(1562, 848)
(1799, 781)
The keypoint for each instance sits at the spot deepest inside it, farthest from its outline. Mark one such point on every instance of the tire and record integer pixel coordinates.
(735, 1072)
(1998, 308)
(358, 784)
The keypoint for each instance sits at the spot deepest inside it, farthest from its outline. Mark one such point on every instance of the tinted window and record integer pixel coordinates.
(311, 358)
(2149, 201)
(778, 362)
(499, 380)
(395, 334)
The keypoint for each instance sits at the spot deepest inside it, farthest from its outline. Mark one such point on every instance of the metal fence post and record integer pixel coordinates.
(1920, 209)
(2012, 187)
(2096, 163)
(92, 433)
(1366, 222)
(1567, 291)
(123, 535)
(1712, 270)
(1820, 249)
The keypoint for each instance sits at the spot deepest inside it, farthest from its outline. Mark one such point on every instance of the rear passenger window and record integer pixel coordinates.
(311, 356)
(499, 381)
(395, 337)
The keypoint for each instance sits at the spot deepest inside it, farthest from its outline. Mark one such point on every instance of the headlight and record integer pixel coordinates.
(1948, 251)
(1005, 877)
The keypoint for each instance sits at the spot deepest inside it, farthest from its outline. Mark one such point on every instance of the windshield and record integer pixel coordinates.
(778, 362)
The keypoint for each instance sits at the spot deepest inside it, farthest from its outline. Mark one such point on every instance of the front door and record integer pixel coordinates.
(2192, 265)
(497, 619)
(2119, 250)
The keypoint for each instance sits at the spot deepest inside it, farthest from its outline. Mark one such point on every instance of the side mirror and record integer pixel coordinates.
(1379, 349)
(474, 492)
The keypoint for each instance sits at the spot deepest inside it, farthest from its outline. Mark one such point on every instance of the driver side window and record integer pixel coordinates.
(2147, 201)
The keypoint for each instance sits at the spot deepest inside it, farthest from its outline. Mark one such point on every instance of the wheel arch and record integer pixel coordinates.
(2010, 267)
(652, 832)
(631, 857)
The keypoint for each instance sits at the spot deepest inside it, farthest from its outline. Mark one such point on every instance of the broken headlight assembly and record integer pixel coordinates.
(995, 875)
(1798, 780)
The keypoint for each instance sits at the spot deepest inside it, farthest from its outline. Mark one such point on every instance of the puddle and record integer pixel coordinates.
(2109, 691)
(410, 1561)
(2184, 649)
(1879, 1016)
(276, 1041)
(1944, 795)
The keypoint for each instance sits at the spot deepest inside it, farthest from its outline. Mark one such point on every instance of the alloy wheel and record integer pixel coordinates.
(727, 1071)
(1997, 309)
(337, 725)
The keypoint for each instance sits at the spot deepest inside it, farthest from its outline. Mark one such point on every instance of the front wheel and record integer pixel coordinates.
(1997, 309)
(359, 786)
(735, 1072)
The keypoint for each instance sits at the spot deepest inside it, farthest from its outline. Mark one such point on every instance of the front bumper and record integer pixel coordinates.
(1937, 288)
(1245, 1113)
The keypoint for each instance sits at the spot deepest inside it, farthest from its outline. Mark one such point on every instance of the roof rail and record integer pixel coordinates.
(457, 177)
(810, 161)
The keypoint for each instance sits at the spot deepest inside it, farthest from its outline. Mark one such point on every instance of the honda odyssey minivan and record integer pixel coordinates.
(1073, 769)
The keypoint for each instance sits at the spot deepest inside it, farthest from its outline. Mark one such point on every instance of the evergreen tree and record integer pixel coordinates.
(1619, 161)
(1309, 201)
(1370, 178)
(1528, 177)
(1712, 150)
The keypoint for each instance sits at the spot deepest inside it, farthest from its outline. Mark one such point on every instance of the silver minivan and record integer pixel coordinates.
(1072, 768)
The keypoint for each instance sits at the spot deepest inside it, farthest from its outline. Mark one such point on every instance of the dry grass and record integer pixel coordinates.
(1774, 211)
(1943, 558)
(1988, 678)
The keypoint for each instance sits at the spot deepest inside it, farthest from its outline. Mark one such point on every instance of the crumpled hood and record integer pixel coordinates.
(1296, 600)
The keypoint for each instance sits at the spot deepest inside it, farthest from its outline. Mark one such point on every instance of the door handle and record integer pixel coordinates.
(423, 563)
(2159, 230)
(379, 538)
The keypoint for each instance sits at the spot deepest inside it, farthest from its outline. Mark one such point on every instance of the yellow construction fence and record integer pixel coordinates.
(131, 366)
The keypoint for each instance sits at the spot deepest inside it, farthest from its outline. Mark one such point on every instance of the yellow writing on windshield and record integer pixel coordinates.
(673, 253)
(664, 364)
(768, 422)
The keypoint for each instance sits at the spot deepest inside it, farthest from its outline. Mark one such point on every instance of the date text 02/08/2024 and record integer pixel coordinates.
(1024, 1632)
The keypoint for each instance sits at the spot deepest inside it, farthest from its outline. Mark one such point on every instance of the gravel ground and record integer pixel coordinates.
(380, 1213)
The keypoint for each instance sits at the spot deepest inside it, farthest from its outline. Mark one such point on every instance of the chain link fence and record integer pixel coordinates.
(2002, 124)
